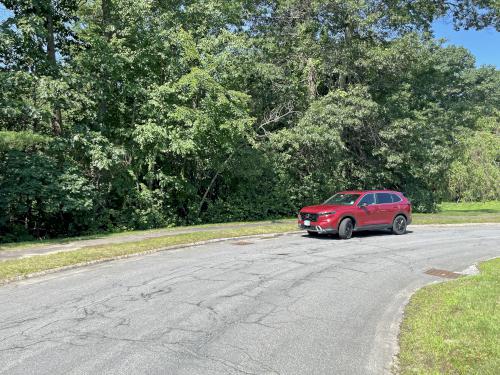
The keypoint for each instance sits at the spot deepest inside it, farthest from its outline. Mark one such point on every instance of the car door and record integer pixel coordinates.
(366, 211)
(385, 207)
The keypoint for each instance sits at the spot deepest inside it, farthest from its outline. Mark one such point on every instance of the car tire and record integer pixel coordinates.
(399, 225)
(345, 229)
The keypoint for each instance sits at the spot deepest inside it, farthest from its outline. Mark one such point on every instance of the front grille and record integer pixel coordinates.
(308, 216)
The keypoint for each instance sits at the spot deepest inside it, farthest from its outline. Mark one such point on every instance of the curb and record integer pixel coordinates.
(104, 260)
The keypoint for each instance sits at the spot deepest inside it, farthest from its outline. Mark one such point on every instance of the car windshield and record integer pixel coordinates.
(342, 199)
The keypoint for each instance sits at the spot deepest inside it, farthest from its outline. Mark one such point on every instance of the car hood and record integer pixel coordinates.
(322, 208)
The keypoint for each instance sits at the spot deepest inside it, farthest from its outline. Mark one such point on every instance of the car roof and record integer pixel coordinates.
(367, 191)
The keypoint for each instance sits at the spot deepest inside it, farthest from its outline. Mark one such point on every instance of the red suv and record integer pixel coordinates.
(350, 211)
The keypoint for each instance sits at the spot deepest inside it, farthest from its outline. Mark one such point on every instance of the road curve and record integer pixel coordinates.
(286, 305)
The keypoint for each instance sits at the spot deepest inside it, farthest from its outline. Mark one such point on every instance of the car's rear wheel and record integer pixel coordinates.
(345, 229)
(399, 225)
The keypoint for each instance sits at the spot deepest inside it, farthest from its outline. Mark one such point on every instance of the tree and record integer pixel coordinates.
(187, 111)
(41, 29)
(475, 173)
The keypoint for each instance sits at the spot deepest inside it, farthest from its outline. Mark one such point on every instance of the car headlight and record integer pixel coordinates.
(326, 213)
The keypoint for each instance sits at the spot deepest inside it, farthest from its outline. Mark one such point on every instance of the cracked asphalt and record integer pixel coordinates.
(284, 305)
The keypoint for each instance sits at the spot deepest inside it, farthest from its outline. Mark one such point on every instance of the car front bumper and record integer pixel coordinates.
(318, 229)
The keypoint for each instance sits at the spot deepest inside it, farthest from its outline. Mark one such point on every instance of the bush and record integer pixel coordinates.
(41, 197)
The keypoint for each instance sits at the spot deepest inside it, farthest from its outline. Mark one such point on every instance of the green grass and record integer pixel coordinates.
(462, 213)
(491, 206)
(454, 327)
(10, 269)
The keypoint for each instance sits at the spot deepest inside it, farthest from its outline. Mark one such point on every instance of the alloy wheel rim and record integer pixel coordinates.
(400, 224)
(349, 229)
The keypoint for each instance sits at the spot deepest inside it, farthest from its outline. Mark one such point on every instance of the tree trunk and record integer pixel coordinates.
(51, 46)
(342, 81)
(311, 79)
(106, 15)
(51, 55)
(348, 39)
(212, 182)
(105, 22)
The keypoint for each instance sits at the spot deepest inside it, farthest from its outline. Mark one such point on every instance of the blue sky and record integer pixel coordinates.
(484, 44)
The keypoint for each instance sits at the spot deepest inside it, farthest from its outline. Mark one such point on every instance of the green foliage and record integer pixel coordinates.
(21, 140)
(138, 114)
(40, 196)
(25, 101)
(327, 150)
(475, 174)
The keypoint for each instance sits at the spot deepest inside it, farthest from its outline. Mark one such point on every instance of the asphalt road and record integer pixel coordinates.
(285, 305)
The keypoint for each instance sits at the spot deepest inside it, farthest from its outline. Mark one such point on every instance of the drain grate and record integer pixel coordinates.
(242, 243)
(443, 273)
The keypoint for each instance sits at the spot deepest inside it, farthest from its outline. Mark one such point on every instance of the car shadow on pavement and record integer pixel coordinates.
(362, 234)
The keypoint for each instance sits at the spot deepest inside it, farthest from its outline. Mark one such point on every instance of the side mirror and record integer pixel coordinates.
(363, 205)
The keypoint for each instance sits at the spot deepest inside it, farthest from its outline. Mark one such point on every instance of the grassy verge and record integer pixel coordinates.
(454, 327)
(10, 269)
(60, 241)
(462, 213)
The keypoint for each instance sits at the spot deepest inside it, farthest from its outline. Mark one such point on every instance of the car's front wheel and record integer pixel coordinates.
(399, 225)
(345, 229)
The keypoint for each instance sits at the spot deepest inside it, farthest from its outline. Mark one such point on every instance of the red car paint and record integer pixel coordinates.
(383, 207)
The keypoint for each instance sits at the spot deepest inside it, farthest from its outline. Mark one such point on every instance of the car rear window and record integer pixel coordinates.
(384, 198)
(395, 198)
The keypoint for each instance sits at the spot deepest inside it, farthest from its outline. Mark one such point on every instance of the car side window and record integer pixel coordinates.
(395, 198)
(384, 198)
(368, 199)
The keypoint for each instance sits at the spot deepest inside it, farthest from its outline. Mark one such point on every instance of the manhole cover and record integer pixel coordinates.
(442, 273)
(242, 243)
